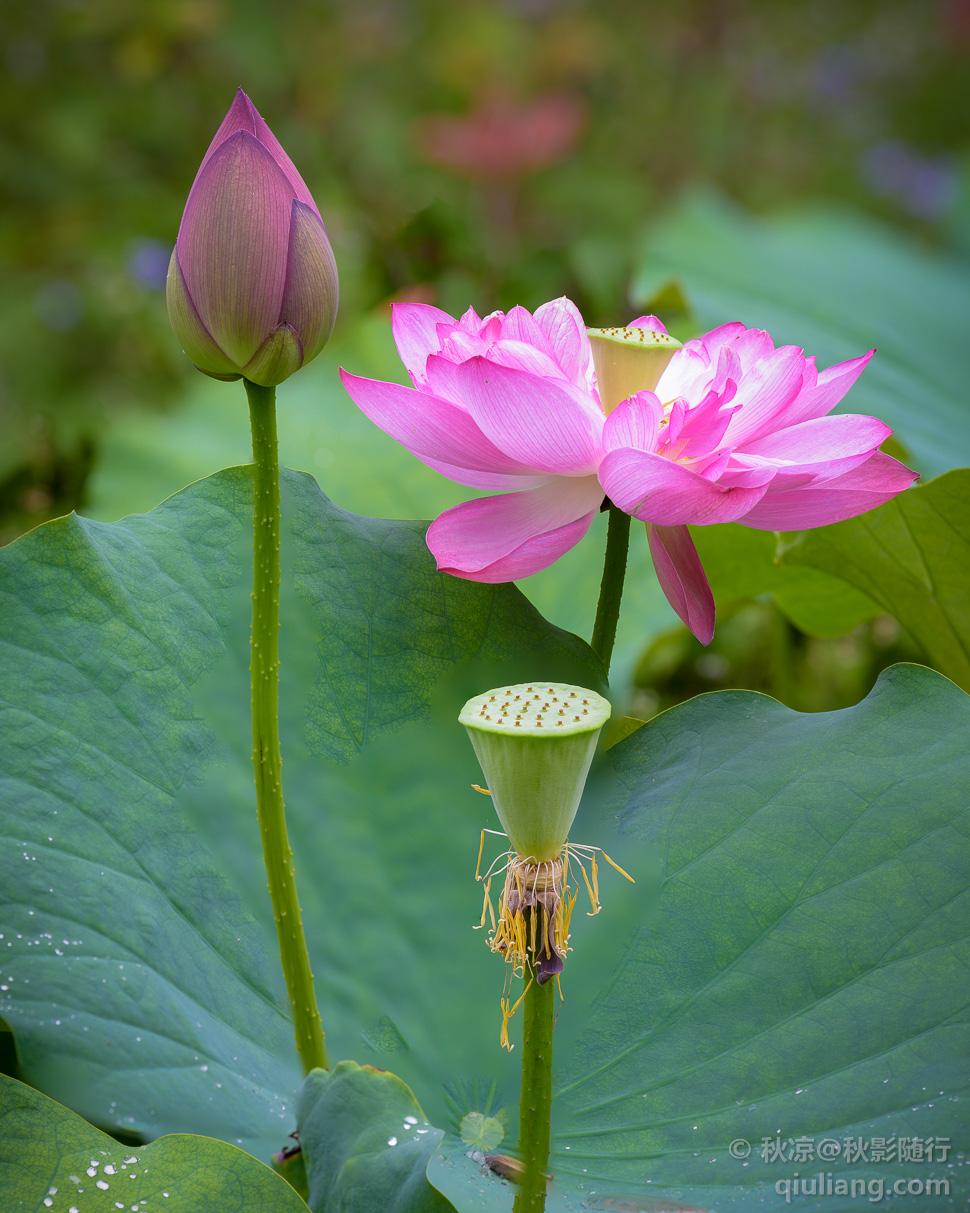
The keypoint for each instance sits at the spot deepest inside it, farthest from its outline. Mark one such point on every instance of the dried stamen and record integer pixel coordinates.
(531, 929)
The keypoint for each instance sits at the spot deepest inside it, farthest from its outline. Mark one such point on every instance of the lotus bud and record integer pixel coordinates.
(535, 744)
(629, 360)
(252, 284)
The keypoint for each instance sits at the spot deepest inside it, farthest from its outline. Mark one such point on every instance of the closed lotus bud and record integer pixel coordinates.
(252, 284)
(535, 744)
(629, 360)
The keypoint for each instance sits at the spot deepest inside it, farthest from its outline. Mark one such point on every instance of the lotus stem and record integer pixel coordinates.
(535, 1102)
(611, 587)
(267, 760)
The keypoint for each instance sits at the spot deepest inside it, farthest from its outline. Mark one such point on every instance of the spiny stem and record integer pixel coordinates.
(535, 1102)
(267, 761)
(611, 587)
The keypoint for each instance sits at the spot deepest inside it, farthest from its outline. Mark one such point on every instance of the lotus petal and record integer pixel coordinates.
(546, 424)
(192, 334)
(311, 291)
(871, 484)
(534, 527)
(233, 245)
(682, 578)
(276, 359)
(655, 489)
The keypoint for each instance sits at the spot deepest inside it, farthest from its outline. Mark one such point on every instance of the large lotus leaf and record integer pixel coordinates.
(804, 972)
(836, 285)
(472, 1186)
(827, 846)
(137, 986)
(52, 1159)
(366, 1143)
(137, 963)
(912, 556)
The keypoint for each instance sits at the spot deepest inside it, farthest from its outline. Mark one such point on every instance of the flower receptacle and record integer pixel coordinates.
(535, 743)
(629, 360)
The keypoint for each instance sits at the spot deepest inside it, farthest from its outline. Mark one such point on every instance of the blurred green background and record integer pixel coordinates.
(485, 153)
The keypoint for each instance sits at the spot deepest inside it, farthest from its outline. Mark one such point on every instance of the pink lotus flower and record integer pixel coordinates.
(735, 431)
(252, 285)
(507, 402)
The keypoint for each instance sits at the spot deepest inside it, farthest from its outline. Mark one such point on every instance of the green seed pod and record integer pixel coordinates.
(535, 744)
(628, 360)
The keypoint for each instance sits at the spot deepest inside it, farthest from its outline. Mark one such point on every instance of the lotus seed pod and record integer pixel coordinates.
(535, 743)
(628, 360)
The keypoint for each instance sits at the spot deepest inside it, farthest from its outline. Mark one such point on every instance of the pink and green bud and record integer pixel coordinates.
(629, 360)
(252, 284)
(535, 744)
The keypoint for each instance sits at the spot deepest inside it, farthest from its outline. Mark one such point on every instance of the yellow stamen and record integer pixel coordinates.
(535, 911)
(519, 1000)
(507, 1013)
(520, 943)
(566, 916)
(617, 866)
(592, 896)
(503, 1036)
(486, 908)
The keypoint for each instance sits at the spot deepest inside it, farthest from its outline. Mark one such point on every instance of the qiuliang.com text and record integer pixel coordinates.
(824, 1183)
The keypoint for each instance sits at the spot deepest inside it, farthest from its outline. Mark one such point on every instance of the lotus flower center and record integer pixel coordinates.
(536, 710)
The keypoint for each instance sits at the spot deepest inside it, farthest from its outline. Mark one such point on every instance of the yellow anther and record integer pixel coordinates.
(617, 866)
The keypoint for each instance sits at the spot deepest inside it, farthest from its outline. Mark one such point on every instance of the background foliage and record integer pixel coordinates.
(582, 124)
